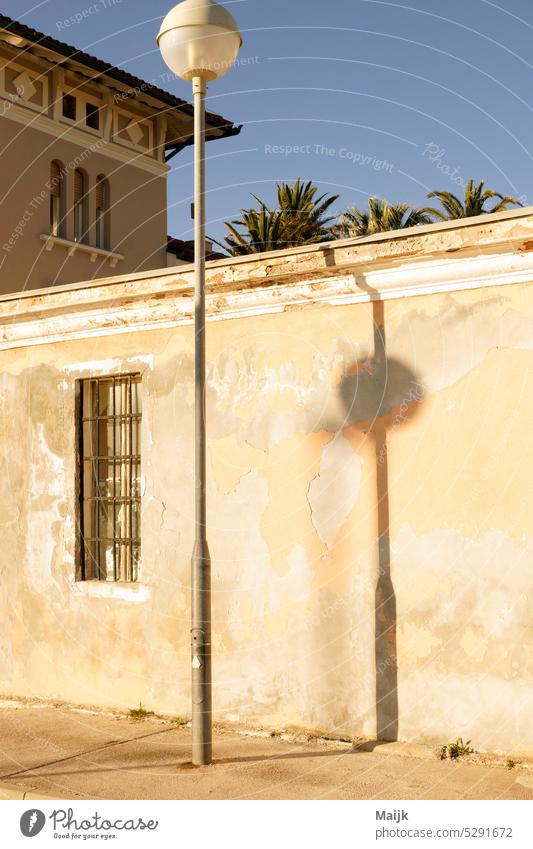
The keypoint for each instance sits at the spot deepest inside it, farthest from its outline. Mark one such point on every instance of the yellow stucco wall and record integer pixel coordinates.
(369, 470)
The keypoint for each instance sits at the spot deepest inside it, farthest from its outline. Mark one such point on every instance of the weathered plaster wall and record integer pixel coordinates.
(344, 440)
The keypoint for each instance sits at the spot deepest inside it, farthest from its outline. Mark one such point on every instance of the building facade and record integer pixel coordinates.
(370, 500)
(84, 151)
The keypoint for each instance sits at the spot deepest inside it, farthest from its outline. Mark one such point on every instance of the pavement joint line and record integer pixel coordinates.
(19, 793)
(109, 745)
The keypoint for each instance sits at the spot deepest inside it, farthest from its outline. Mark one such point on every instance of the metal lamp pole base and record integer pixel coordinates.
(201, 562)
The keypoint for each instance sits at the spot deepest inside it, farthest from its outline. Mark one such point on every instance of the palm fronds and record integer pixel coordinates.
(299, 219)
(380, 217)
(474, 202)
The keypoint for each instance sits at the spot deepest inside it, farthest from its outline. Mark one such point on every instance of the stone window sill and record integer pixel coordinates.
(134, 591)
(81, 247)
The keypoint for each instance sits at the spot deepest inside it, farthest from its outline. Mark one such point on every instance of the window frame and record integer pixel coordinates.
(82, 101)
(125, 542)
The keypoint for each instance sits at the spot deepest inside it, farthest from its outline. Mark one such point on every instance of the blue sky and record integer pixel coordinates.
(363, 97)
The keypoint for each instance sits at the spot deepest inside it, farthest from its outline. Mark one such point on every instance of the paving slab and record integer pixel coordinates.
(33, 735)
(62, 754)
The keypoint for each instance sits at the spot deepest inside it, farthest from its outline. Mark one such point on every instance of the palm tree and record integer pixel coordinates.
(299, 219)
(380, 217)
(475, 198)
(304, 218)
(262, 232)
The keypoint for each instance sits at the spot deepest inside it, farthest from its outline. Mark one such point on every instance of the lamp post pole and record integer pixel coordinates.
(199, 40)
(201, 562)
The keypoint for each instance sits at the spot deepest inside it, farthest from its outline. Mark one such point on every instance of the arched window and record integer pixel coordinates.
(102, 213)
(80, 206)
(57, 192)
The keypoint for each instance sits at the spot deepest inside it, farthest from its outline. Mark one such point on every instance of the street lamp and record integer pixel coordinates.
(199, 41)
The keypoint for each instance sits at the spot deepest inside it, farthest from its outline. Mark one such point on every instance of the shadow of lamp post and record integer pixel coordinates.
(199, 42)
(371, 390)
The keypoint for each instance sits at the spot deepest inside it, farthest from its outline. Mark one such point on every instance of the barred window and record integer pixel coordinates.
(110, 477)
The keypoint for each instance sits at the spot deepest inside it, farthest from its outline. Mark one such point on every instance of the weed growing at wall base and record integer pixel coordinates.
(140, 712)
(456, 750)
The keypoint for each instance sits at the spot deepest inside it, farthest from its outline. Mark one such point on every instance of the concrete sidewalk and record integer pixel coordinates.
(49, 752)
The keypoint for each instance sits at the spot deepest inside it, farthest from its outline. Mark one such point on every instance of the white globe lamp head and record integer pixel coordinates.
(199, 38)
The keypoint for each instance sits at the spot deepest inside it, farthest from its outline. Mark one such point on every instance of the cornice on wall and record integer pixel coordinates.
(477, 253)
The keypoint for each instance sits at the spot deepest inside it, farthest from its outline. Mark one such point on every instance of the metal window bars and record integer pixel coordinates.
(110, 466)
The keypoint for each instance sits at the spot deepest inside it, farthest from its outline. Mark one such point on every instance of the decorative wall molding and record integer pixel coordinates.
(424, 261)
(27, 82)
(83, 139)
(134, 127)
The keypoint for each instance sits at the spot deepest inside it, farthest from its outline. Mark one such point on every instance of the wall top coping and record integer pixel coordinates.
(469, 253)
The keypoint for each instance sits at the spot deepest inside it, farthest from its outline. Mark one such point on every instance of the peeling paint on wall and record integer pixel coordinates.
(46, 488)
(333, 492)
(98, 367)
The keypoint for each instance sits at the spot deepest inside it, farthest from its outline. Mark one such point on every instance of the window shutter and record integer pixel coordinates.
(79, 188)
(102, 213)
(100, 193)
(55, 180)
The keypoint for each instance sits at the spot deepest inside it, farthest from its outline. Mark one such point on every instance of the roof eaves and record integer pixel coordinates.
(103, 68)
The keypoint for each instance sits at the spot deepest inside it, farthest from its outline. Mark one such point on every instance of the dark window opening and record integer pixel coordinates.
(92, 116)
(69, 106)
